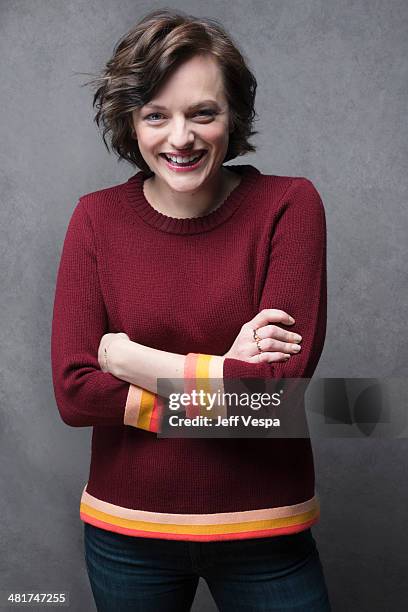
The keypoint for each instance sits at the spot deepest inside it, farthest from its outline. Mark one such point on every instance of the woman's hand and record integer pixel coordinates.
(277, 344)
(106, 358)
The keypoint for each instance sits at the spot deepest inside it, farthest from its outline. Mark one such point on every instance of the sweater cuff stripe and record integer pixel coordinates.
(203, 372)
(146, 410)
(143, 409)
(157, 411)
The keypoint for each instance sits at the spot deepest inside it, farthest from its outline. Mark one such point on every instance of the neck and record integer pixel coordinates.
(189, 204)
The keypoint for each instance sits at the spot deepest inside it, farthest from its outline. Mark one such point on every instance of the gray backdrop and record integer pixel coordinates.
(332, 103)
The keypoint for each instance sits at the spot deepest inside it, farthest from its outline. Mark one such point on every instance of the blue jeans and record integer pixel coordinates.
(135, 574)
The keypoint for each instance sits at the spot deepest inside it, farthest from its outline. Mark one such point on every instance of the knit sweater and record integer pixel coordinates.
(187, 286)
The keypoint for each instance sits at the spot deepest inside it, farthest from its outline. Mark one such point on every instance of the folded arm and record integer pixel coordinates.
(86, 395)
(295, 283)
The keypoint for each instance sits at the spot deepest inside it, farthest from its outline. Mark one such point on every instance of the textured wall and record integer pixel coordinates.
(332, 102)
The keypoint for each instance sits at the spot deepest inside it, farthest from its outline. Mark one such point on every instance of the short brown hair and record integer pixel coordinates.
(146, 56)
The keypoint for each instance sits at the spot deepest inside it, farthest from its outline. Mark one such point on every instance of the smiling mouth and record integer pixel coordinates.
(199, 155)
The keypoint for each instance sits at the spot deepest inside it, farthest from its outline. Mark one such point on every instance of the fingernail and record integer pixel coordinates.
(291, 319)
(297, 338)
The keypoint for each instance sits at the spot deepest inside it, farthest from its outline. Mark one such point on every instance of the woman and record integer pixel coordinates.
(190, 270)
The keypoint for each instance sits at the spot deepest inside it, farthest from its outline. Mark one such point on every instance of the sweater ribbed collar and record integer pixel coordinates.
(137, 202)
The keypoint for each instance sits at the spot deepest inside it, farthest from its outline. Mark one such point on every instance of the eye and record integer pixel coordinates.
(152, 115)
(207, 111)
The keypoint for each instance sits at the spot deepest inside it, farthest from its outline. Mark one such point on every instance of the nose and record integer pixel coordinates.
(181, 136)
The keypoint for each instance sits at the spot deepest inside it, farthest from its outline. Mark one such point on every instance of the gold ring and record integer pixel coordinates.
(257, 340)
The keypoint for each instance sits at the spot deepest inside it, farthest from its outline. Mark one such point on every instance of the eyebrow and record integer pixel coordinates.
(192, 106)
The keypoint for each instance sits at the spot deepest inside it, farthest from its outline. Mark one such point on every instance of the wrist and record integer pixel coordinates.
(120, 353)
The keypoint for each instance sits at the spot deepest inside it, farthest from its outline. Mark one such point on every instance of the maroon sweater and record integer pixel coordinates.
(187, 286)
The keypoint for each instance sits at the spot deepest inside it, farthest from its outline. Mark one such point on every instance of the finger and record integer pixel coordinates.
(272, 345)
(273, 331)
(268, 357)
(274, 315)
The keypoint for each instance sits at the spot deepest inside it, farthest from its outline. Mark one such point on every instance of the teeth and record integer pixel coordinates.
(182, 160)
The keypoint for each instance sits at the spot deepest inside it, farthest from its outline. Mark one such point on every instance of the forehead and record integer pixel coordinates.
(196, 79)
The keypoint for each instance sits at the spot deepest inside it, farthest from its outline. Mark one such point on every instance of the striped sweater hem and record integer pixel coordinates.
(260, 523)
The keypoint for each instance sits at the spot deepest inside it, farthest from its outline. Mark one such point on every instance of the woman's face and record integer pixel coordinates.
(190, 116)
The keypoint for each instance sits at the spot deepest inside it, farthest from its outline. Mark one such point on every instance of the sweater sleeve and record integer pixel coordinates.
(85, 395)
(295, 282)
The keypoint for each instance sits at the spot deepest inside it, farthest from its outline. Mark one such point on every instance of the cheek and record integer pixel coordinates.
(216, 134)
(147, 142)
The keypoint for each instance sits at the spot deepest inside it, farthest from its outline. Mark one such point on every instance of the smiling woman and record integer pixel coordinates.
(184, 146)
(184, 95)
(187, 272)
